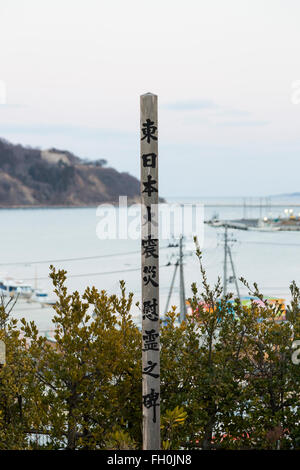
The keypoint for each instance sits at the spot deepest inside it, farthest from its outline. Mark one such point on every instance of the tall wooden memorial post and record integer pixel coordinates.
(150, 273)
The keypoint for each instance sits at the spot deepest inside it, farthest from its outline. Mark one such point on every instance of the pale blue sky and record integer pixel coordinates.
(223, 71)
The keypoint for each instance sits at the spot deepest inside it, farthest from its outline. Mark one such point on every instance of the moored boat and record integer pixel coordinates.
(42, 297)
(10, 287)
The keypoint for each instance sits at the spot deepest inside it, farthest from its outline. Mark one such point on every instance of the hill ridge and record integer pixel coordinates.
(33, 177)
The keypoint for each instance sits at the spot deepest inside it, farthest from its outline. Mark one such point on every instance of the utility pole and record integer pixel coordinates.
(244, 214)
(260, 208)
(233, 272)
(35, 277)
(182, 300)
(171, 287)
(225, 261)
(181, 282)
(150, 273)
(227, 251)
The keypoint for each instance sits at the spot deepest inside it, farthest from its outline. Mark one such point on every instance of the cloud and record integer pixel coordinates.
(213, 113)
(63, 129)
(12, 105)
(234, 112)
(190, 105)
(205, 104)
(243, 123)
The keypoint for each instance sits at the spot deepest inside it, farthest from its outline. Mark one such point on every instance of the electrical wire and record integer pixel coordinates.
(22, 263)
(93, 274)
(269, 243)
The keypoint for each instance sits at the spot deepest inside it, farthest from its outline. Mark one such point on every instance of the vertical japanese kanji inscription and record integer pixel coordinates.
(150, 273)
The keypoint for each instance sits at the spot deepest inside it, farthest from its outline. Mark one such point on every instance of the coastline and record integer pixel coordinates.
(75, 206)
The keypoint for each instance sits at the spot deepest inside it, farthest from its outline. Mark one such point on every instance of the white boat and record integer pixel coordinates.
(10, 287)
(42, 297)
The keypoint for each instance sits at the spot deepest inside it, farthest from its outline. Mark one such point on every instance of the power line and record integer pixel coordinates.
(19, 263)
(94, 274)
(22, 263)
(269, 243)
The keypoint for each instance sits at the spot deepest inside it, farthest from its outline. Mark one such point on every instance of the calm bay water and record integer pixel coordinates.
(28, 235)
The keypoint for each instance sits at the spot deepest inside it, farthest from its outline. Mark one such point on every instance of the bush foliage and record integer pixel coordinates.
(227, 378)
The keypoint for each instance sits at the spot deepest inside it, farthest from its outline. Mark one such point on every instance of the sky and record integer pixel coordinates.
(227, 76)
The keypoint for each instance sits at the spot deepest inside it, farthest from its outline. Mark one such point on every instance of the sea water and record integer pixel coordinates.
(32, 239)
